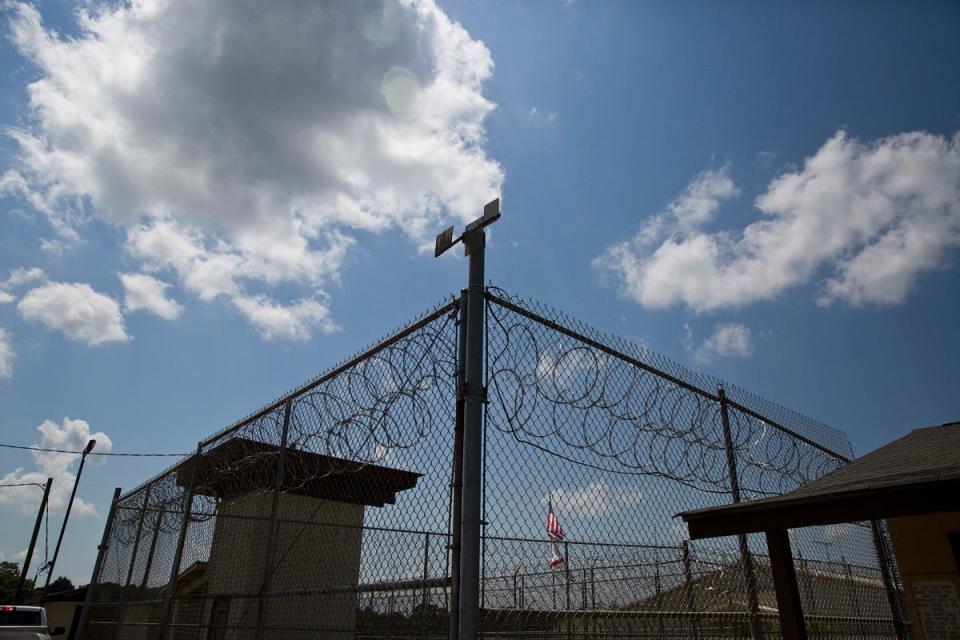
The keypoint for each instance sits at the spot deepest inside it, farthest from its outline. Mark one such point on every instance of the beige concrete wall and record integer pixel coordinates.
(929, 569)
(309, 556)
(60, 614)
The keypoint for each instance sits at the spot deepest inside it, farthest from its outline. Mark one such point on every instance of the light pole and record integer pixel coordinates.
(18, 598)
(66, 516)
(468, 485)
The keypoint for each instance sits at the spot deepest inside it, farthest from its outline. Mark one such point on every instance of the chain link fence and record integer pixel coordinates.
(329, 513)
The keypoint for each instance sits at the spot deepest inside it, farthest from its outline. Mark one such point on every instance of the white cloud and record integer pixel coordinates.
(874, 215)
(542, 116)
(292, 321)
(70, 435)
(75, 309)
(16, 557)
(148, 293)
(22, 276)
(7, 354)
(17, 278)
(241, 148)
(594, 499)
(729, 339)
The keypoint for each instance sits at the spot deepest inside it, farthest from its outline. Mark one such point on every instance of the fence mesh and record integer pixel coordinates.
(328, 513)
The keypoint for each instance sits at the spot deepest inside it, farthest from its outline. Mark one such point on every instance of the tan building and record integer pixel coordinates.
(280, 562)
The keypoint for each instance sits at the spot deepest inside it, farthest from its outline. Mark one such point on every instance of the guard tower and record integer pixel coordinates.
(320, 507)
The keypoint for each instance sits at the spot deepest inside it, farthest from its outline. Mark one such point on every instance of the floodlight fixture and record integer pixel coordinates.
(445, 240)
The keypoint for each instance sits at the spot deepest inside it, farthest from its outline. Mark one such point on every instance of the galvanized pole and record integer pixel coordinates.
(688, 584)
(178, 553)
(457, 471)
(97, 566)
(66, 516)
(425, 600)
(658, 589)
(892, 597)
(153, 547)
(470, 520)
(268, 568)
(755, 631)
(136, 539)
(566, 571)
(33, 543)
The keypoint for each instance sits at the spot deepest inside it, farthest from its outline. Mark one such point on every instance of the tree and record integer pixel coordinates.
(62, 583)
(9, 577)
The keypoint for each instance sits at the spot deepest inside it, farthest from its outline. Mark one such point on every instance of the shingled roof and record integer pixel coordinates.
(919, 473)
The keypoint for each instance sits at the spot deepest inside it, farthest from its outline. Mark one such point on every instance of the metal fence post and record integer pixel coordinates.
(456, 482)
(566, 571)
(658, 590)
(124, 594)
(268, 568)
(688, 587)
(893, 598)
(136, 539)
(755, 631)
(97, 566)
(178, 553)
(426, 590)
(153, 546)
(470, 520)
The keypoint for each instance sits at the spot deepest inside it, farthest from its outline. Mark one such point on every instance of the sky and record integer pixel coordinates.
(202, 206)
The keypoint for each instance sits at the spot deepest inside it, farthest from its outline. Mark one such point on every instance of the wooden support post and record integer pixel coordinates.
(785, 582)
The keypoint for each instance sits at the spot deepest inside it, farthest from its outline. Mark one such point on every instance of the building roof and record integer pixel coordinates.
(917, 474)
(240, 466)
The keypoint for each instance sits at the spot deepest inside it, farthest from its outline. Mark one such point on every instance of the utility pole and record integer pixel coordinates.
(17, 599)
(56, 552)
(474, 242)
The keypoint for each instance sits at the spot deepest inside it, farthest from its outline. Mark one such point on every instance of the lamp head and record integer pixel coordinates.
(90, 446)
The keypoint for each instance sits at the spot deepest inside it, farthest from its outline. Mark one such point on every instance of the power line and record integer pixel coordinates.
(95, 453)
(23, 484)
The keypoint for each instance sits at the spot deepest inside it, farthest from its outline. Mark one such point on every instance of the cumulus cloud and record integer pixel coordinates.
(285, 321)
(21, 276)
(147, 293)
(17, 278)
(874, 216)
(729, 339)
(594, 499)
(76, 310)
(537, 115)
(69, 435)
(243, 149)
(7, 354)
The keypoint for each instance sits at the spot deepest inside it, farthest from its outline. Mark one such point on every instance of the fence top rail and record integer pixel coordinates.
(449, 304)
(499, 297)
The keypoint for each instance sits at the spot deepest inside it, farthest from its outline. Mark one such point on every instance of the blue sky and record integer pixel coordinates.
(765, 191)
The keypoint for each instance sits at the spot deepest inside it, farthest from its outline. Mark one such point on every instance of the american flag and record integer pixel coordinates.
(554, 530)
(555, 533)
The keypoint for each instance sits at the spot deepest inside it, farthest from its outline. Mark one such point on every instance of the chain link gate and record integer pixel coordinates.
(331, 512)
